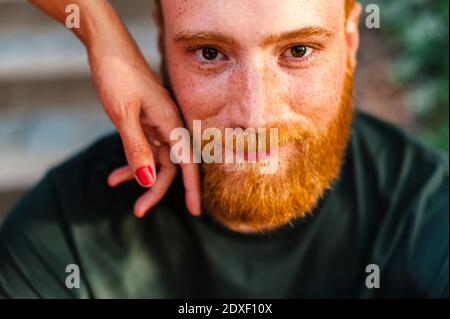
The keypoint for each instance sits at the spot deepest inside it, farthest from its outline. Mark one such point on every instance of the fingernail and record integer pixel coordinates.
(145, 175)
(139, 215)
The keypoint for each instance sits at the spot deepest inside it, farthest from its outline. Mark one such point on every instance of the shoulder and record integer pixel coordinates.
(412, 182)
(37, 238)
(391, 146)
(77, 188)
(397, 161)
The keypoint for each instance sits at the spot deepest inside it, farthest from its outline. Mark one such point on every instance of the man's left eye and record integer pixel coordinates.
(298, 52)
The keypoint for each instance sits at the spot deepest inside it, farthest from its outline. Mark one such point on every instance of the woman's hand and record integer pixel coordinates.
(143, 111)
(136, 103)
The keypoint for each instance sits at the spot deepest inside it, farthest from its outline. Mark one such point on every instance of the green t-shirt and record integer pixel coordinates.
(388, 208)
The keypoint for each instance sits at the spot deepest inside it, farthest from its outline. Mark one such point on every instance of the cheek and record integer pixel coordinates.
(315, 93)
(200, 97)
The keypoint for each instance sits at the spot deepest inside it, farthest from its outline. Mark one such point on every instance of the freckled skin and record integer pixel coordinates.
(230, 63)
(252, 88)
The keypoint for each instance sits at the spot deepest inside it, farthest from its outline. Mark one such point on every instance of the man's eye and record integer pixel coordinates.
(209, 54)
(298, 52)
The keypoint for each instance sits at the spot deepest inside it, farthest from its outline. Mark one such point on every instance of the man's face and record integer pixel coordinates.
(260, 64)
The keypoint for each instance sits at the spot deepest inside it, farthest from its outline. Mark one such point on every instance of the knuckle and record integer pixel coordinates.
(137, 149)
(123, 113)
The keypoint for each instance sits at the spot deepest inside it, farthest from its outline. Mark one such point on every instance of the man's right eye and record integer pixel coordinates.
(209, 54)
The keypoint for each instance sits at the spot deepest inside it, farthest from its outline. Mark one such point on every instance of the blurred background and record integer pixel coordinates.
(49, 109)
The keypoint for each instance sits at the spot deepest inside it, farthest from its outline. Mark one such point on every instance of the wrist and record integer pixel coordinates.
(102, 30)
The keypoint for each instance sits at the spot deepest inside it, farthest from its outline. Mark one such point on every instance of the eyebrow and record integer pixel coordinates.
(312, 32)
(203, 36)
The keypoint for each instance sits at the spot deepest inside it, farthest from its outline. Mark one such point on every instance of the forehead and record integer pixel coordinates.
(251, 19)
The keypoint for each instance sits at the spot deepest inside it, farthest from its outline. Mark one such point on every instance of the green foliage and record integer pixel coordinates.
(418, 31)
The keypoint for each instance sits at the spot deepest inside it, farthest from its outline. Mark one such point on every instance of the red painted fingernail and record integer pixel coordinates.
(145, 175)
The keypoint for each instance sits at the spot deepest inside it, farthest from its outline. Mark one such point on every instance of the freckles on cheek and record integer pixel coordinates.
(198, 96)
(316, 95)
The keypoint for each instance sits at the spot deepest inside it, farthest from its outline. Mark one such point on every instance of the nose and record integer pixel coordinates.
(258, 95)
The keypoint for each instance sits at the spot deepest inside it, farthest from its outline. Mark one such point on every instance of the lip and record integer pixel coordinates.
(252, 155)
